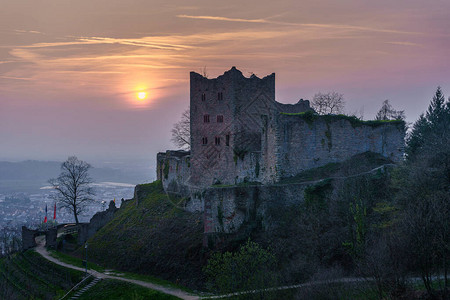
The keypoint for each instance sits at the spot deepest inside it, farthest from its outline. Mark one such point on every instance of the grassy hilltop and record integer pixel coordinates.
(152, 237)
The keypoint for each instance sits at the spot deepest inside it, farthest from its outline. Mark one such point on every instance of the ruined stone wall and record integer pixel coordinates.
(227, 209)
(28, 238)
(86, 230)
(173, 169)
(239, 133)
(50, 237)
(309, 143)
(207, 157)
(241, 102)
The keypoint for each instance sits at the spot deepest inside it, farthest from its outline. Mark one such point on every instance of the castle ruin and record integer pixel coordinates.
(239, 133)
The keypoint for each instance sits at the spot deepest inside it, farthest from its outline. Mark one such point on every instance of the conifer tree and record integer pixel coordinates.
(431, 128)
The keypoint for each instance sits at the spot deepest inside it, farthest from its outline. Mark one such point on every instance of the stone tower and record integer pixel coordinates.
(227, 114)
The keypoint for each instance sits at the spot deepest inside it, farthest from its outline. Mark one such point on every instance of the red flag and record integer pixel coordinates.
(45, 219)
(54, 212)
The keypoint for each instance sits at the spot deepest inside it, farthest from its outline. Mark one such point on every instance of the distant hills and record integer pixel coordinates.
(31, 174)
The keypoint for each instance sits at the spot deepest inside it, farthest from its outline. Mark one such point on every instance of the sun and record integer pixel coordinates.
(141, 95)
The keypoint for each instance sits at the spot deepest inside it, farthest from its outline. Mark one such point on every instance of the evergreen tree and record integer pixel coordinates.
(431, 129)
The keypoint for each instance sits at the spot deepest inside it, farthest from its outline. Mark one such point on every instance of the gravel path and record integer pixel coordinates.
(171, 291)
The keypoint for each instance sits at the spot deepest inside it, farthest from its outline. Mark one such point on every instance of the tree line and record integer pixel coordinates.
(391, 227)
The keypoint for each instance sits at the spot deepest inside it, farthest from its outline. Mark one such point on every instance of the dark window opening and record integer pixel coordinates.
(227, 140)
(204, 140)
(205, 118)
(203, 97)
(219, 96)
(219, 119)
(217, 141)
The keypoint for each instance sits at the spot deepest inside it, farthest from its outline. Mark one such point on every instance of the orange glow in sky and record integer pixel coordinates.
(129, 63)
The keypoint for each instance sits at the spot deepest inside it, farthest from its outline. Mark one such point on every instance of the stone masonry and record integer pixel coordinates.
(239, 133)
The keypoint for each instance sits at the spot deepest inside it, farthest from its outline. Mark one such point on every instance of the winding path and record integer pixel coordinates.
(40, 248)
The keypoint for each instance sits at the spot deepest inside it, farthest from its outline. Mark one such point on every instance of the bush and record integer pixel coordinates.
(251, 267)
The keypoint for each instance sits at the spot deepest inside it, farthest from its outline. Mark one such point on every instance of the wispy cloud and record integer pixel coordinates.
(20, 31)
(15, 78)
(215, 18)
(404, 44)
(142, 42)
(328, 26)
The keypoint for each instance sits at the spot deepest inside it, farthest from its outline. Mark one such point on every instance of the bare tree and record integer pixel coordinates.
(10, 241)
(73, 186)
(181, 131)
(328, 103)
(386, 112)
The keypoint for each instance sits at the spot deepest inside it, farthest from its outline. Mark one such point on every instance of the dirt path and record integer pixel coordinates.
(171, 291)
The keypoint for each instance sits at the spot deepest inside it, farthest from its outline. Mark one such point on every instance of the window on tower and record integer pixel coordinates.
(217, 141)
(205, 118)
(204, 140)
(219, 96)
(227, 140)
(203, 97)
(220, 119)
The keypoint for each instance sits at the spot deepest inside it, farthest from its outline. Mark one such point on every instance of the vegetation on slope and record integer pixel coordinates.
(30, 276)
(310, 117)
(120, 290)
(326, 231)
(357, 164)
(152, 236)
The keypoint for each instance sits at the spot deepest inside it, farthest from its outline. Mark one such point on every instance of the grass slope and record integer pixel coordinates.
(152, 237)
(30, 276)
(357, 164)
(118, 290)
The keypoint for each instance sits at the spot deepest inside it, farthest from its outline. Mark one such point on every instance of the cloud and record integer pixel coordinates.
(142, 42)
(328, 26)
(404, 44)
(20, 31)
(15, 78)
(224, 19)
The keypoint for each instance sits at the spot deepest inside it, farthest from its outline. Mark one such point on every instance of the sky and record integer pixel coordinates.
(71, 70)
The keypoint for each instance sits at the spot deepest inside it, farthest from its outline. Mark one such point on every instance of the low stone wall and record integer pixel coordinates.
(50, 238)
(28, 238)
(86, 230)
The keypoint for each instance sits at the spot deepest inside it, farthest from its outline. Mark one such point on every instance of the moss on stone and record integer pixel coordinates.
(239, 153)
(310, 117)
(328, 135)
(257, 167)
(166, 169)
(220, 215)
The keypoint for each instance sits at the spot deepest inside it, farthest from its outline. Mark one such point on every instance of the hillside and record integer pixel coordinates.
(152, 237)
(30, 175)
(29, 276)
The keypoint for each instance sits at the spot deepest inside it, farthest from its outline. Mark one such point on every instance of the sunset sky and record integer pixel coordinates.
(71, 71)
